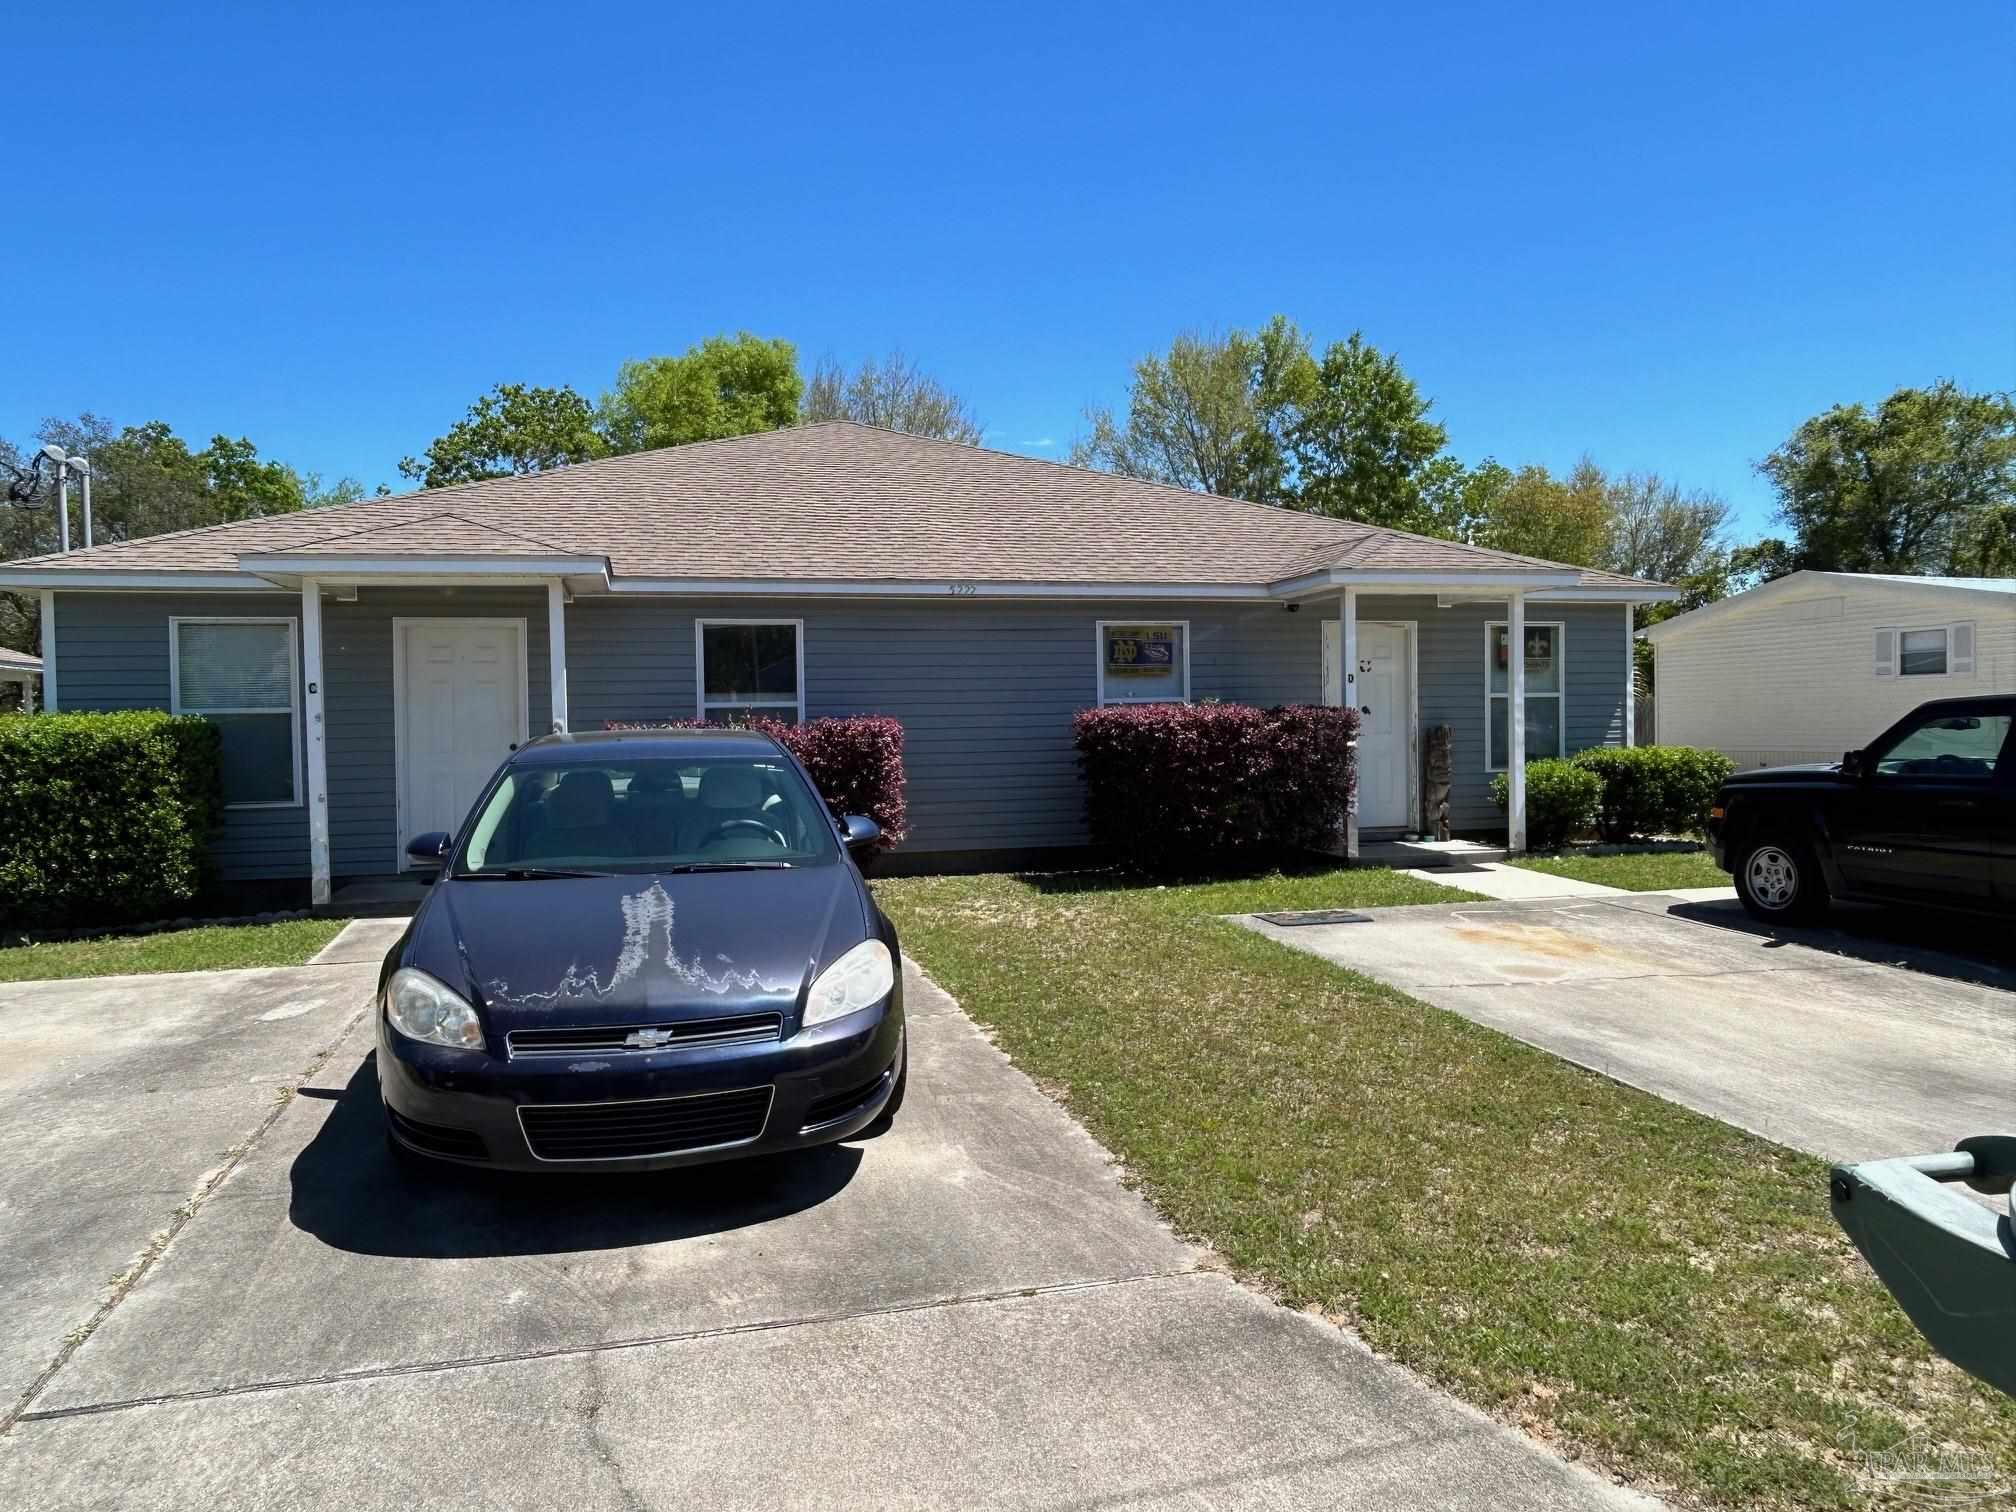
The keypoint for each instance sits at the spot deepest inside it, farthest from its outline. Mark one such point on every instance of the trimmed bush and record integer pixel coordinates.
(855, 760)
(1561, 801)
(1184, 787)
(103, 817)
(1654, 790)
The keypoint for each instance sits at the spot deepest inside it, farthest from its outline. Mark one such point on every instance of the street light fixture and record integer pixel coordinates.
(66, 464)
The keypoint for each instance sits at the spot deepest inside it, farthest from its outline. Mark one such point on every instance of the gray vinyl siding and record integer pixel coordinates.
(112, 653)
(985, 691)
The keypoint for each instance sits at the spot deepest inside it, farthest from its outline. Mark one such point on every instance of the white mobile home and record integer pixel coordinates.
(1818, 663)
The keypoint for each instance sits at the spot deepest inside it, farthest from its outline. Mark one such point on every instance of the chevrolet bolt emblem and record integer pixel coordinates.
(648, 1039)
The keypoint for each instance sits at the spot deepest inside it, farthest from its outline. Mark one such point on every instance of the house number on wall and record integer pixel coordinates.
(962, 590)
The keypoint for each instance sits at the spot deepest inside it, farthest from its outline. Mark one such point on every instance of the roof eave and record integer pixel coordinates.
(287, 569)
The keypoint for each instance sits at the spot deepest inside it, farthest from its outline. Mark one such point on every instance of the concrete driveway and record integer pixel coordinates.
(971, 1311)
(1871, 1036)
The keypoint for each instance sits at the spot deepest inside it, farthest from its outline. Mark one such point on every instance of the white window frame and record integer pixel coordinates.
(1099, 660)
(1897, 651)
(700, 628)
(175, 624)
(1558, 691)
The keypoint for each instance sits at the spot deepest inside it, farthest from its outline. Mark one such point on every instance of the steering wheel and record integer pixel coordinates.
(722, 833)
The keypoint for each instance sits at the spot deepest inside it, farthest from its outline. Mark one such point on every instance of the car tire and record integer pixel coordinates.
(1779, 882)
(887, 1116)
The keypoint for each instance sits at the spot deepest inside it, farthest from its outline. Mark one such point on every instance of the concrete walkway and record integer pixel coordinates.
(1512, 884)
(972, 1311)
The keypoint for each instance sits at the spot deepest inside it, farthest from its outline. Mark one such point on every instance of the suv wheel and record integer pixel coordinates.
(1779, 883)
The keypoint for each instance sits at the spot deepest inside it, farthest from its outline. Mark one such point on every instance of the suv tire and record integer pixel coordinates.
(1779, 882)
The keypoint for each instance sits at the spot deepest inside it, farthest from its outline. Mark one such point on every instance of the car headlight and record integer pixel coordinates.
(859, 979)
(424, 1009)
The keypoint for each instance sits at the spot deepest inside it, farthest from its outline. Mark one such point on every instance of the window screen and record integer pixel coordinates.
(239, 674)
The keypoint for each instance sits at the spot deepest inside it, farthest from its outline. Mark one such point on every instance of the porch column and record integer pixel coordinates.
(556, 646)
(1630, 680)
(1515, 725)
(1347, 637)
(318, 751)
(49, 650)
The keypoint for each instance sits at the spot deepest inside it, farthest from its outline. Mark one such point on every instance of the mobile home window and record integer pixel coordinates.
(751, 667)
(1143, 661)
(1545, 644)
(1922, 653)
(240, 675)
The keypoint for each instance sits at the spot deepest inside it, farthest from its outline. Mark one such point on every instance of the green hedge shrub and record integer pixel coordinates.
(103, 817)
(1561, 801)
(1654, 790)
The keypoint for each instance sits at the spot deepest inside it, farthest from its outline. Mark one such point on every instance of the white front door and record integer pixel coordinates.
(1385, 694)
(460, 707)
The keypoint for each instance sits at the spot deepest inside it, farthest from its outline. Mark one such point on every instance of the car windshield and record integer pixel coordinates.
(648, 815)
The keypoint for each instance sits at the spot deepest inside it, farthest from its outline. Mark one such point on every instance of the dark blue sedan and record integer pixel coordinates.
(643, 950)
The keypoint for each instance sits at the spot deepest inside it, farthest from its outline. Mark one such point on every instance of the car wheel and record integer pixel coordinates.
(889, 1109)
(1779, 882)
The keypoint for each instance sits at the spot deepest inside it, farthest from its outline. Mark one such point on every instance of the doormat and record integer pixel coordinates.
(1317, 916)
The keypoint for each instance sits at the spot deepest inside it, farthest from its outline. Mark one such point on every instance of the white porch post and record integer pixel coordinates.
(318, 752)
(49, 650)
(556, 646)
(1347, 652)
(1515, 724)
(1630, 681)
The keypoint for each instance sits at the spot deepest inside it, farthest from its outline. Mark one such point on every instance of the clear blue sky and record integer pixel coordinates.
(1660, 234)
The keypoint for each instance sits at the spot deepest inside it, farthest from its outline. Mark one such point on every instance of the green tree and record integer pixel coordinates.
(1537, 514)
(722, 387)
(315, 494)
(1362, 440)
(511, 429)
(144, 480)
(1212, 414)
(893, 393)
(1923, 483)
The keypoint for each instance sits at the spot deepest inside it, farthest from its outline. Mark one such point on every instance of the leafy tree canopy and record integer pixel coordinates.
(1361, 438)
(1924, 483)
(512, 429)
(1212, 414)
(722, 387)
(893, 393)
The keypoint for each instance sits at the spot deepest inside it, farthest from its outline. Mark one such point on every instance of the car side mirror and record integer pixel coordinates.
(859, 832)
(429, 849)
(1853, 764)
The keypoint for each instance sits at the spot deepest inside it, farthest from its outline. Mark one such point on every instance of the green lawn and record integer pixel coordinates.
(1627, 1280)
(287, 943)
(1657, 872)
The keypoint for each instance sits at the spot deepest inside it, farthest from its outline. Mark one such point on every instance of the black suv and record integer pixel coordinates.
(1925, 815)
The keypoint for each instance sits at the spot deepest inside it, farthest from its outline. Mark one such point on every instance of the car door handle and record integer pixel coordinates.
(1959, 803)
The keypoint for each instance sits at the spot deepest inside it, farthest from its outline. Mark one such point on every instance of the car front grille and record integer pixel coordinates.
(632, 1039)
(638, 1130)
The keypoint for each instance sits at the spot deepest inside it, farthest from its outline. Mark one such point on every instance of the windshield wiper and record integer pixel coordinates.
(712, 866)
(525, 874)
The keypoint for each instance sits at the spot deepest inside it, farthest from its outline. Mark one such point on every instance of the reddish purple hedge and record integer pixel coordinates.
(1172, 787)
(855, 761)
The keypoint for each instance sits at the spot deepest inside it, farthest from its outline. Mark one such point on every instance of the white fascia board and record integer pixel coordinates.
(926, 589)
(1651, 593)
(1476, 584)
(62, 579)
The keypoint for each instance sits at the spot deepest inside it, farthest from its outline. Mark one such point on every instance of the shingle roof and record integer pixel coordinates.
(835, 501)
(19, 661)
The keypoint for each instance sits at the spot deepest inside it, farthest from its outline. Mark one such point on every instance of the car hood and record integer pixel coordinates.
(1812, 771)
(641, 947)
